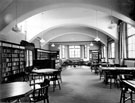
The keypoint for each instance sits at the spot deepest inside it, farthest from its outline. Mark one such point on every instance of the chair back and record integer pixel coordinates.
(35, 79)
(39, 94)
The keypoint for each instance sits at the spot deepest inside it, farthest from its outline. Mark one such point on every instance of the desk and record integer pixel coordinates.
(118, 68)
(48, 74)
(45, 71)
(128, 85)
(14, 90)
(116, 71)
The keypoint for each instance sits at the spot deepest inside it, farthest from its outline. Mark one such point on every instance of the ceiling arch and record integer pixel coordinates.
(85, 10)
(84, 16)
(63, 29)
(75, 37)
(109, 7)
(73, 30)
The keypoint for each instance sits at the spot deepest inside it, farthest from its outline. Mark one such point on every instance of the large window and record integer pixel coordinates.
(112, 50)
(85, 51)
(103, 52)
(29, 58)
(131, 41)
(63, 51)
(74, 51)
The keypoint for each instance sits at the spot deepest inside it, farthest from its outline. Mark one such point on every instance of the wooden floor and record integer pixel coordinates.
(80, 85)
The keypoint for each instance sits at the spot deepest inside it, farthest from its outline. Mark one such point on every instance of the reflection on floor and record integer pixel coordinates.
(80, 85)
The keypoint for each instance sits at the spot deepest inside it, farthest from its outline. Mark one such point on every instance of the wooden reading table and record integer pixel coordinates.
(116, 71)
(14, 90)
(128, 85)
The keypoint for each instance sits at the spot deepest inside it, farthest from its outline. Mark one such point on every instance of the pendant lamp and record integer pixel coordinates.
(97, 38)
(15, 28)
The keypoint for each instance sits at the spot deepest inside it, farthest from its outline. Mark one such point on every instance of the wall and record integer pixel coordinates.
(12, 37)
(129, 63)
(37, 43)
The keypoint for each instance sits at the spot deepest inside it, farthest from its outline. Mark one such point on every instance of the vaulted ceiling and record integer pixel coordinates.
(52, 19)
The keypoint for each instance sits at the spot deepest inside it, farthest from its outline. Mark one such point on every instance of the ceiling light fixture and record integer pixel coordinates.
(97, 38)
(16, 27)
(52, 45)
(42, 40)
(91, 44)
(112, 24)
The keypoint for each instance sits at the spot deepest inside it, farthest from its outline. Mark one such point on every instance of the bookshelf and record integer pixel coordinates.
(53, 55)
(95, 56)
(12, 60)
(41, 54)
(46, 58)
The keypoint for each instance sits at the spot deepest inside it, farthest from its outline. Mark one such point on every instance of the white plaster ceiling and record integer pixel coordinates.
(60, 13)
(69, 17)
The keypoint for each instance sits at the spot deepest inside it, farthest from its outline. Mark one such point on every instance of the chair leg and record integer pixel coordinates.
(121, 96)
(59, 84)
(60, 79)
(44, 100)
(54, 85)
(47, 100)
(131, 97)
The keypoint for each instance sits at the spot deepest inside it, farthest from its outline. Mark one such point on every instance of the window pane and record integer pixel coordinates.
(63, 51)
(71, 46)
(85, 51)
(131, 41)
(74, 51)
(112, 50)
(130, 30)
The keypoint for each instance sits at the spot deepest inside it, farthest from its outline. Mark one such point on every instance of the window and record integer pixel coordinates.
(29, 59)
(85, 51)
(131, 41)
(74, 51)
(63, 51)
(112, 50)
(103, 52)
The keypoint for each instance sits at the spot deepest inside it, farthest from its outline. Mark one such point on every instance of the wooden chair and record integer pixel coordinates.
(111, 77)
(59, 74)
(40, 88)
(126, 94)
(35, 79)
(101, 74)
(40, 93)
(54, 78)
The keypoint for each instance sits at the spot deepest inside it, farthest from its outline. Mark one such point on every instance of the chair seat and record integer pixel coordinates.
(38, 98)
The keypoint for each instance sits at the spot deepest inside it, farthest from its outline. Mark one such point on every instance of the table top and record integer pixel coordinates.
(49, 70)
(117, 68)
(14, 89)
(130, 84)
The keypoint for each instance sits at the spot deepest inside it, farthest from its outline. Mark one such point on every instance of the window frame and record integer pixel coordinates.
(110, 50)
(74, 51)
(130, 36)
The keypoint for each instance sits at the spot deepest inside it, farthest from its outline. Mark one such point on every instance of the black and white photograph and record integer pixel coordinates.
(67, 51)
